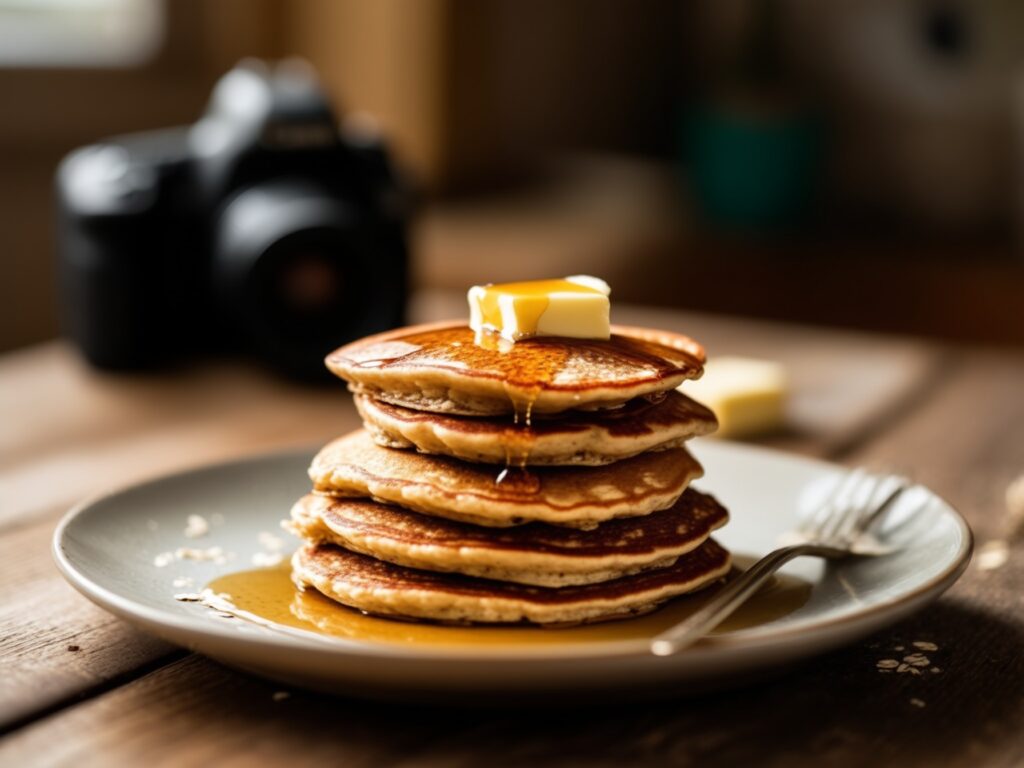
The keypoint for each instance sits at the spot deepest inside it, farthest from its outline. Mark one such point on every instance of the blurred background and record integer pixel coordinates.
(843, 162)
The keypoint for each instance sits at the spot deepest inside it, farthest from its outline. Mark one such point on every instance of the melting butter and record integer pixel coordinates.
(575, 307)
(747, 396)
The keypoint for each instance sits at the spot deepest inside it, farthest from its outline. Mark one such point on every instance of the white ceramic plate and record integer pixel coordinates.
(106, 549)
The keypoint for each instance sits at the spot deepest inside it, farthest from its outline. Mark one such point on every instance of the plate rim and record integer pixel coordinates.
(154, 620)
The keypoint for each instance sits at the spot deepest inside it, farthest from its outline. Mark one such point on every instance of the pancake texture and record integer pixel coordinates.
(578, 497)
(439, 368)
(537, 553)
(577, 438)
(384, 589)
(544, 481)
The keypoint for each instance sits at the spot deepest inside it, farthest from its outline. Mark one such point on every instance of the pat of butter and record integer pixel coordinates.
(748, 396)
(577, 307)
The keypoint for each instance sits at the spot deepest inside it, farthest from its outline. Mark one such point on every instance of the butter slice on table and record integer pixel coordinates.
(576, 307)
(748, 396)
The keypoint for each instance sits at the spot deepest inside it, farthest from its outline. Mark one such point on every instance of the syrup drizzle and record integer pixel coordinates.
(529, 366)
(519, 437)
(526, 369)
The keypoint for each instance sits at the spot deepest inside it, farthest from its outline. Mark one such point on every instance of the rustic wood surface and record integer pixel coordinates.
(83, 688)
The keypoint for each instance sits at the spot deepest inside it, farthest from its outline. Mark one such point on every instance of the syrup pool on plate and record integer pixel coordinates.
(269, 594)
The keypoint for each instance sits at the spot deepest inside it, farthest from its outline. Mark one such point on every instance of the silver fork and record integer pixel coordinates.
(839, 528)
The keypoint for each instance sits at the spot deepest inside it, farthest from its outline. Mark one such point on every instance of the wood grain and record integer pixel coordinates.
(957, 424)
(195, 712)
(967, 442)
(56, 645)
(837, 711)
(71, 432)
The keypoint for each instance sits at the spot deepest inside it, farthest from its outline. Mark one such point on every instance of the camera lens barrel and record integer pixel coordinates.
(297, 271)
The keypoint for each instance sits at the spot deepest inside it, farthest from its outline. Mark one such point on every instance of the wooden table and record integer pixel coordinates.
(80, 687)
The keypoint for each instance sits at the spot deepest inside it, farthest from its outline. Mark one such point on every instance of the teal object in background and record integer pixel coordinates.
(753, 171)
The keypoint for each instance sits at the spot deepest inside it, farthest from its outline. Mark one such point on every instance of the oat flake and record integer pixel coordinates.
(163, 559)
(196, 526)
(210, 554)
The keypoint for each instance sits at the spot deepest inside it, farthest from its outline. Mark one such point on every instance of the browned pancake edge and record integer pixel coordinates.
(536, 553)
(439, 367)
(581, 497)
(572, 438)
(377, 587)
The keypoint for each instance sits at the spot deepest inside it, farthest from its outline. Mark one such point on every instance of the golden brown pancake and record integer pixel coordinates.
(381, 588)
(439, 368)
(537, 553)
(579, 497)
(580, 438)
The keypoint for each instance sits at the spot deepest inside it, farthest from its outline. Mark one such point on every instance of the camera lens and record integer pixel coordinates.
(310, 284)
(306, 285)
(296, 275)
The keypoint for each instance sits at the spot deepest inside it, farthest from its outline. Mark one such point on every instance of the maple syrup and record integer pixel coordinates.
(530, 364)
(269, 594)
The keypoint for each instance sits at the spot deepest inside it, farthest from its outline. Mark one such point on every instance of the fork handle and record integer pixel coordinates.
(737, 592)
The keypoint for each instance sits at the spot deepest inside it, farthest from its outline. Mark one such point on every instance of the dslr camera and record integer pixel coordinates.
(261, 229)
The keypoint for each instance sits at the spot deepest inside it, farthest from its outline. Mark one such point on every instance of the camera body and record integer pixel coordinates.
(259, 229)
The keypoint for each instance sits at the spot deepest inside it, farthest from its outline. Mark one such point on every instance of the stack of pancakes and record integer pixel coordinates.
(544, 483)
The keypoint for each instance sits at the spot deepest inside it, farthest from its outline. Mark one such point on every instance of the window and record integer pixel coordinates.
(79, 33)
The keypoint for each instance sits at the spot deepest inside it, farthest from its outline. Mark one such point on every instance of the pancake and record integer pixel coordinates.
(579, 497)
(439, 368)
(583, 438)
(537, 553)
(384, 589)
